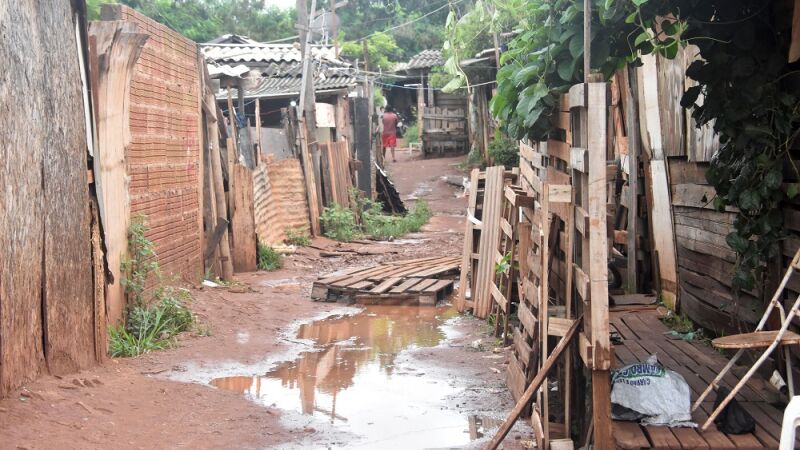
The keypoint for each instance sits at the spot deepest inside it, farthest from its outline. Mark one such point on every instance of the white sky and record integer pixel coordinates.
(281, 3)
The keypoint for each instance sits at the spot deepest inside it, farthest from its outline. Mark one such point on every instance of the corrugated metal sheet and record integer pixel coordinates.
(279, 199)
(288, 86)
(261, 53)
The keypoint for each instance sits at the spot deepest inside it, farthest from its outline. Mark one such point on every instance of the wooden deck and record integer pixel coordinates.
(642, 334)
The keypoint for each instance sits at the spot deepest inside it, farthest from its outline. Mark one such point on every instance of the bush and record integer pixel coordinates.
(339, 223)
(504, 151)
(268, 258)
(297, 236)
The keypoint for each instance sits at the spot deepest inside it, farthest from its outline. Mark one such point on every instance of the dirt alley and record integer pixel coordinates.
(141, 403)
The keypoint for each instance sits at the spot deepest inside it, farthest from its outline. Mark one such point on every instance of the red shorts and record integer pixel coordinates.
(390, 140)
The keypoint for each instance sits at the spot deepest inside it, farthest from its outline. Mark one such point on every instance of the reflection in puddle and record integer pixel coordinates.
(351, 380)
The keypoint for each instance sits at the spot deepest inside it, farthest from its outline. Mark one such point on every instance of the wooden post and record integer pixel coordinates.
(421, 105)
(310, 178)
(598, 264)
(587, 39)
(219, 199)
(259, 150)
(232, 119)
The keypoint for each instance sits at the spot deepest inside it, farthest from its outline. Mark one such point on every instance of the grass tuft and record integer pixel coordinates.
(297, 236)
(268, 258)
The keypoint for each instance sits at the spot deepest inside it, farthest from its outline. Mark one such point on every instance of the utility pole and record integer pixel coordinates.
(334, 30)
(306, 116)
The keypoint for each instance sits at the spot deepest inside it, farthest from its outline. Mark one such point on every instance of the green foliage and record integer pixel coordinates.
(378, 100)
(745, 88)
(750, 94)
(268, 258)
(339, 223)
(297, 236)
(384, 226)
(364, 17)
(546, 59)
(382, 50)
(470, 33)
(412, 134)
(154, 317)
(140, 262)
(504, 151)
(203, 20)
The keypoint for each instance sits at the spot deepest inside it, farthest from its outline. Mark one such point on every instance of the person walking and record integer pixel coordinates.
(390, 121)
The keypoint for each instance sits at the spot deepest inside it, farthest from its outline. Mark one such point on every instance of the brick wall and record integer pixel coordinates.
(164, 159)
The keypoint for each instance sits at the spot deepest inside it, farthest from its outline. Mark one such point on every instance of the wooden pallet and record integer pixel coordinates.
(415, 281)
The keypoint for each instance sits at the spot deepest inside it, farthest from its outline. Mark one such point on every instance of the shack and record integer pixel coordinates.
(441, 117)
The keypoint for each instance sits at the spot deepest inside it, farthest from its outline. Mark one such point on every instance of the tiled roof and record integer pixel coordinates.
(425, 60)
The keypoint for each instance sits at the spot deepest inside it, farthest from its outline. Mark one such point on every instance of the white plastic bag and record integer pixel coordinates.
(649, 392)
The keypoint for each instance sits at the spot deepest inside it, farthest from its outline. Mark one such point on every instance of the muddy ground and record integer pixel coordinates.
(207, 391)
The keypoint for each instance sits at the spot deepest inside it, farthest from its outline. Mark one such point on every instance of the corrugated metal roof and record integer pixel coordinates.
(290, 86)
(261, 53)
(425, 60)
(232, 39)
(275, 70)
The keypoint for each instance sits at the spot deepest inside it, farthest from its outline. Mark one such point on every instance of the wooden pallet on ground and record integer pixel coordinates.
(422, 281)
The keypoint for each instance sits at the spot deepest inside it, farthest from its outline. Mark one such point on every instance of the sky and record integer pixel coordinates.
(281, 3)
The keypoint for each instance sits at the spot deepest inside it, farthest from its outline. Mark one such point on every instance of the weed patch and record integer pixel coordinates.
(151, 321)
(268, 258)
(383, 226)
(297, 236)
(339, 223)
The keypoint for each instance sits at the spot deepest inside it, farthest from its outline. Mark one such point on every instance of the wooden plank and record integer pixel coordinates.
(422, 285)
(578, 159)
(582, 283)
(633, 184)
(387, 299)
(385, 286)
(493, 198)
(663, 234)
(403, 287)
(467, 278)
(243, 231)
(558, 150)
(794, 47)
(560, 193)
(527, 318)
(438, 286)
(558, 326)
(629, 436)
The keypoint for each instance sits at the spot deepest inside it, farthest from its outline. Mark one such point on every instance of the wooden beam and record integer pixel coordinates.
(537, 381)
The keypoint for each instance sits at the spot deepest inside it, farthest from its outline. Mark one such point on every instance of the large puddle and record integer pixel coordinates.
(351, 380)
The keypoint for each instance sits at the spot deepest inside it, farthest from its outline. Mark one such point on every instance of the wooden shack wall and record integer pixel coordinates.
(46, 285)
(164, 158)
